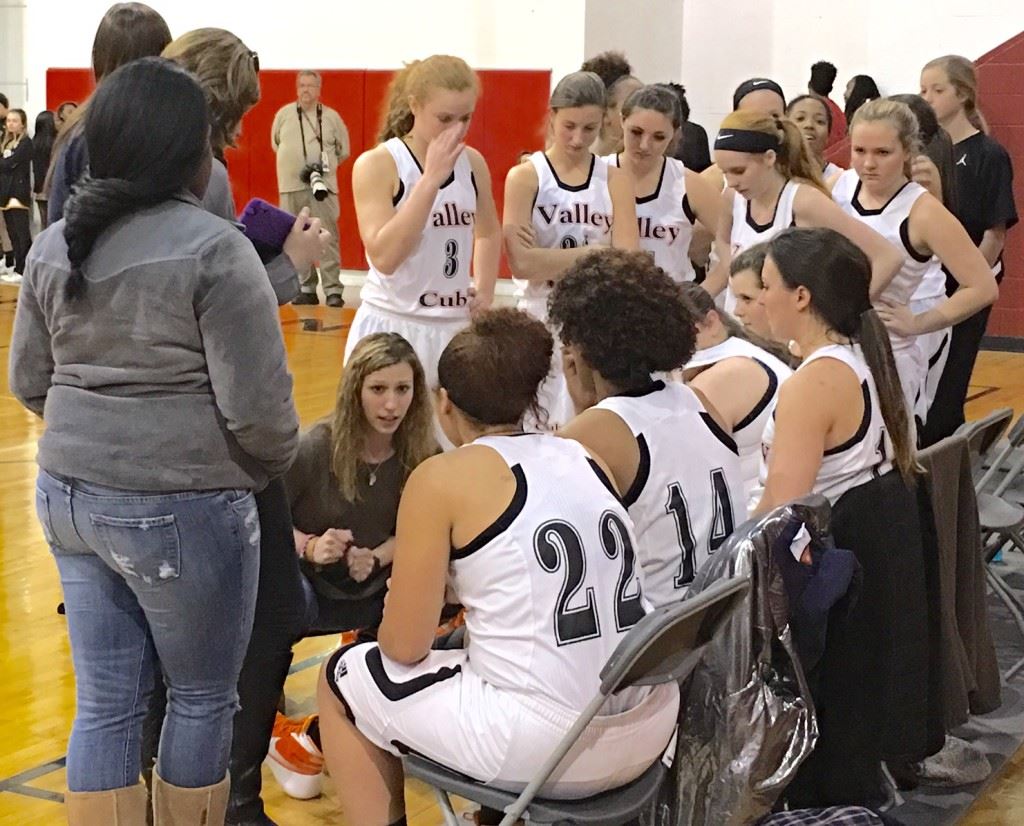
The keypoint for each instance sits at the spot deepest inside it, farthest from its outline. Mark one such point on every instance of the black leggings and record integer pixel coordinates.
(947, 411)
(17, 221)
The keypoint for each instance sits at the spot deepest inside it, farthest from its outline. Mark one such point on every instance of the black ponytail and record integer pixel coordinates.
(93, 206)
(837, 274)
(147, 135)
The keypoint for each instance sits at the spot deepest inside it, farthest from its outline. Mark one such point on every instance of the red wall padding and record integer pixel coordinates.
(509, 119)
(1002, 101)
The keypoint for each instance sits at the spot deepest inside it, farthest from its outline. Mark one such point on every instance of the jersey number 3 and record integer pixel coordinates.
(451, 258)
(558, 546)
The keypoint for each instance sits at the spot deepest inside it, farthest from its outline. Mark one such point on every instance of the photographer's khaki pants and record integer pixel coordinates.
(328, 212)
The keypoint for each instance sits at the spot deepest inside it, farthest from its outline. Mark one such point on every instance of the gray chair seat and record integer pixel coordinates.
(996, 514)
(611, 808)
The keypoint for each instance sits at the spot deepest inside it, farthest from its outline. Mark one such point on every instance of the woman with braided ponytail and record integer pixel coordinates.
(774, 183)
(147, 331)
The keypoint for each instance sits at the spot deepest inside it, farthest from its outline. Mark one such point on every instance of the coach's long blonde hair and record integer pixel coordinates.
(413, 441)
(793, 158)
(414, 82)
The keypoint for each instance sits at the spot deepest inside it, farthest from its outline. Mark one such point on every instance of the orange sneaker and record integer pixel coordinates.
(294, 759)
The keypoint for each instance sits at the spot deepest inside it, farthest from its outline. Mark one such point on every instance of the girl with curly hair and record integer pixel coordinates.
(622, 320)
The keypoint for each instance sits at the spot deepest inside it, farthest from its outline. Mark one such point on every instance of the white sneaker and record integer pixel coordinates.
(11, 278)
(294, 759)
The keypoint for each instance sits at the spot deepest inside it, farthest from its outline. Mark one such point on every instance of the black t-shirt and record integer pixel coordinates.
(984, 183)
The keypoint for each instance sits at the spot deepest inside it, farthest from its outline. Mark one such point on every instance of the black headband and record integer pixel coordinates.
(756, 84)
(746, 140)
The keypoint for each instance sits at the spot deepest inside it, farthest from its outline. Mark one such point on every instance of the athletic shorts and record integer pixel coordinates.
(935, 347)
(911, 366)
(439, 708)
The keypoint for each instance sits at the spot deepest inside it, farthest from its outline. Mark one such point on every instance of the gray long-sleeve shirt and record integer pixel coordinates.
(169, 374)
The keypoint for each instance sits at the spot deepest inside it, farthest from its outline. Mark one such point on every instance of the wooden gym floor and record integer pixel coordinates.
(37, 683)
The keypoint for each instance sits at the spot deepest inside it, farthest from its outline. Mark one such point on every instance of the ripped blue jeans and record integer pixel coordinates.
(147, 576)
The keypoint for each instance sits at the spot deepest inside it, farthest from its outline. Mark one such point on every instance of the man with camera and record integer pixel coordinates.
(310, 141)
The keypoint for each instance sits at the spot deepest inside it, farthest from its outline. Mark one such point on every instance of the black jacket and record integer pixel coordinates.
(16, 174)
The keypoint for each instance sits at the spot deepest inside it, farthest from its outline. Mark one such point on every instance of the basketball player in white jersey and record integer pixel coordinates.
(558, 204)
(745, 284)
(741, 376)
(529, 533)
(621, 319)
(670, 199)
(879, 192)
(774, 183)
(812, 115)
(758, 94)
(426, 213)
(840, 419)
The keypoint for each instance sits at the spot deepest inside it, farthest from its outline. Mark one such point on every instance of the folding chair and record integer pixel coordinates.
(664, 646)
(1001, 521)
(982, 435)
(1010, 457)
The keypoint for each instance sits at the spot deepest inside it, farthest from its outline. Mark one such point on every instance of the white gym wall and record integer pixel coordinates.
(709, 45)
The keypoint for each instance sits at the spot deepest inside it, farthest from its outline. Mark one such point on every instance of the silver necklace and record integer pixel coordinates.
(373, 473)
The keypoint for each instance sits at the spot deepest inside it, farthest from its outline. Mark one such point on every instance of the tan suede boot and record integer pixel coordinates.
(175, 806)
(116, 807)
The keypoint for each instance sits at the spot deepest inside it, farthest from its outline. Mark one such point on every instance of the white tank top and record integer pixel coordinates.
(665, 220)
(749, 431)
(565, 217)
(552, 586)
(746, 233)
(831, 170)
(688, 493)
(892, 222)
(866, 454)
(433, 282)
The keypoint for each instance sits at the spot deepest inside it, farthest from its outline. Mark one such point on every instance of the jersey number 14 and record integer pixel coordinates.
(721, 526)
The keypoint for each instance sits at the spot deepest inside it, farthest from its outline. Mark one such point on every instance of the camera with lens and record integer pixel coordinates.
(313, 174)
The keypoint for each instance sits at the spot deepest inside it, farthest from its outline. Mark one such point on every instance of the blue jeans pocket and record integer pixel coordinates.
(43, 514)
(145, 548)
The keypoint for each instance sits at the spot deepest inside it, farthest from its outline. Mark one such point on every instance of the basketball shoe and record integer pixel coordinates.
(295, 760)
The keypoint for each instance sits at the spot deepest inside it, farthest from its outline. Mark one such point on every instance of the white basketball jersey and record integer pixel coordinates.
(892, 222)
(831, 170)
(434, 280)
(746, 232)
(750, 429)
(565, 217)
(866, 454)
(665, 220)
(552, 586)
(688, 493)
